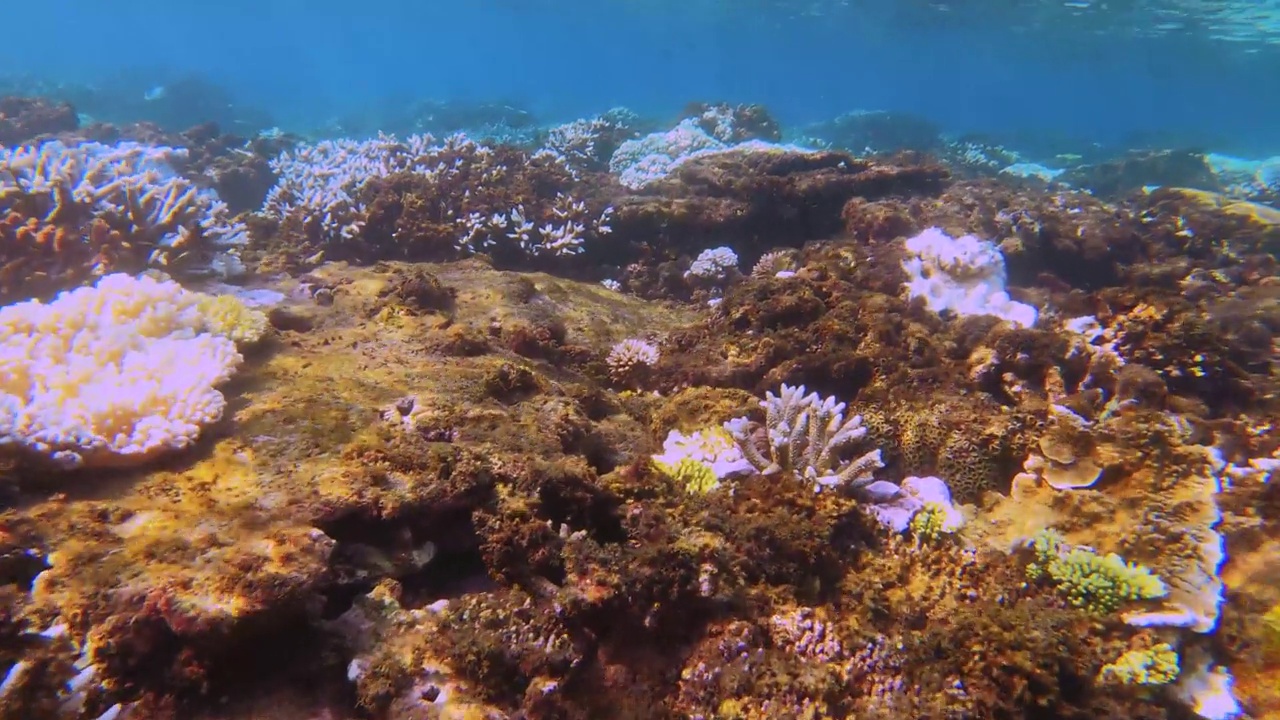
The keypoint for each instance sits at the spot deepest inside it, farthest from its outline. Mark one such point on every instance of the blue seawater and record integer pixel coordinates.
(1141, 72)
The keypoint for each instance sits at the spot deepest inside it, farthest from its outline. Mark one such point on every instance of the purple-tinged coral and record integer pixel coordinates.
(805, 436)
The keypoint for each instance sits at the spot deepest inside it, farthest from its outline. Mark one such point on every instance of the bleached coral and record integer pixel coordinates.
(714, 264)
(145, 208)
(922, 504)
(712, 448)
(964, 275)
(324, 179)
(653, 157)
(563, 235)
(630, 358)
(117, 373)
(323, 185)
(777, 263)
(589, 142)
(644, 160)
(805, 436)
(631, 363)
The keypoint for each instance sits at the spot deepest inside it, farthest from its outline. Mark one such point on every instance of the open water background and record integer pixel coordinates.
(1123, 73)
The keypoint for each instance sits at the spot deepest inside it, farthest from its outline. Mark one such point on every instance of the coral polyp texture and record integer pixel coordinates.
(117, 373)
(629, 421)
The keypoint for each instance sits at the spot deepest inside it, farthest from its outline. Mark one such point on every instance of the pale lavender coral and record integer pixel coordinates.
(714, 264)
(894, 506)
(643, 160)
(805, 436)
(586, 143)
(964, 275)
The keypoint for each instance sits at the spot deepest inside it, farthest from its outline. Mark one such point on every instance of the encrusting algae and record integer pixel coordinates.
(425, 464)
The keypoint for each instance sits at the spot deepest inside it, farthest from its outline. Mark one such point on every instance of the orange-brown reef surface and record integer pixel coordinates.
(431, 495)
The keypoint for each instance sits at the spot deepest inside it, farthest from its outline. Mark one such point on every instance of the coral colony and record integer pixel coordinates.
(679, 424)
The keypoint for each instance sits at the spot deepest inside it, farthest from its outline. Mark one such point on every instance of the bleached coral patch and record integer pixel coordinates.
(964, 275)
(114, 374)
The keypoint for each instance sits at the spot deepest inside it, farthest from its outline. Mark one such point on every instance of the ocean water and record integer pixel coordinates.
(1119, 72)
(640, 360)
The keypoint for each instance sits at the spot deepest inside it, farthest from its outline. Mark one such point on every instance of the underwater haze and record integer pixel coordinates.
(1200, 73)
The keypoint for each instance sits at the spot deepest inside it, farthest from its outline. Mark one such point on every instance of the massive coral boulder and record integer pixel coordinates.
(755, 200)
(1120, 176)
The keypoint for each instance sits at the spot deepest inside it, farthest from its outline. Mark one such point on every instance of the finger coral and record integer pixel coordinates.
(805, 436)
(1098, 583)
(117, 373)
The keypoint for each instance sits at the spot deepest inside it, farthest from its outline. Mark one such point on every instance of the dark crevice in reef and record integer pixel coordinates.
(432, 557)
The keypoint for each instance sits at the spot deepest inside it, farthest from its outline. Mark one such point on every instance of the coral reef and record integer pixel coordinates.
(775, 433)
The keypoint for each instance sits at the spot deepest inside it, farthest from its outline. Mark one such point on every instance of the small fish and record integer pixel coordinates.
(155, 93)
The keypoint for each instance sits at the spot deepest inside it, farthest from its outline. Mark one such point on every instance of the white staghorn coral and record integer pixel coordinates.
(324, 179)
(805, 435)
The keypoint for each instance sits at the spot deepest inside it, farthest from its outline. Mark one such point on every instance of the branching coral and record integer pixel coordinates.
(1098, 583)
(631, 361)
(1156, 665)
(387, 197)
(73, 212)
(805, 434)
(324, 180)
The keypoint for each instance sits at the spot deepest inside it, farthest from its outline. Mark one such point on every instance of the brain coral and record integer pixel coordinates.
(114, 374)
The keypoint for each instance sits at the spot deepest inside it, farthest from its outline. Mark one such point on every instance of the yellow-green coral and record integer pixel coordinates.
(692, 460)
(696, 477)
(1097, 583)
(229, 317)
(1156, 665)
(931, 522)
